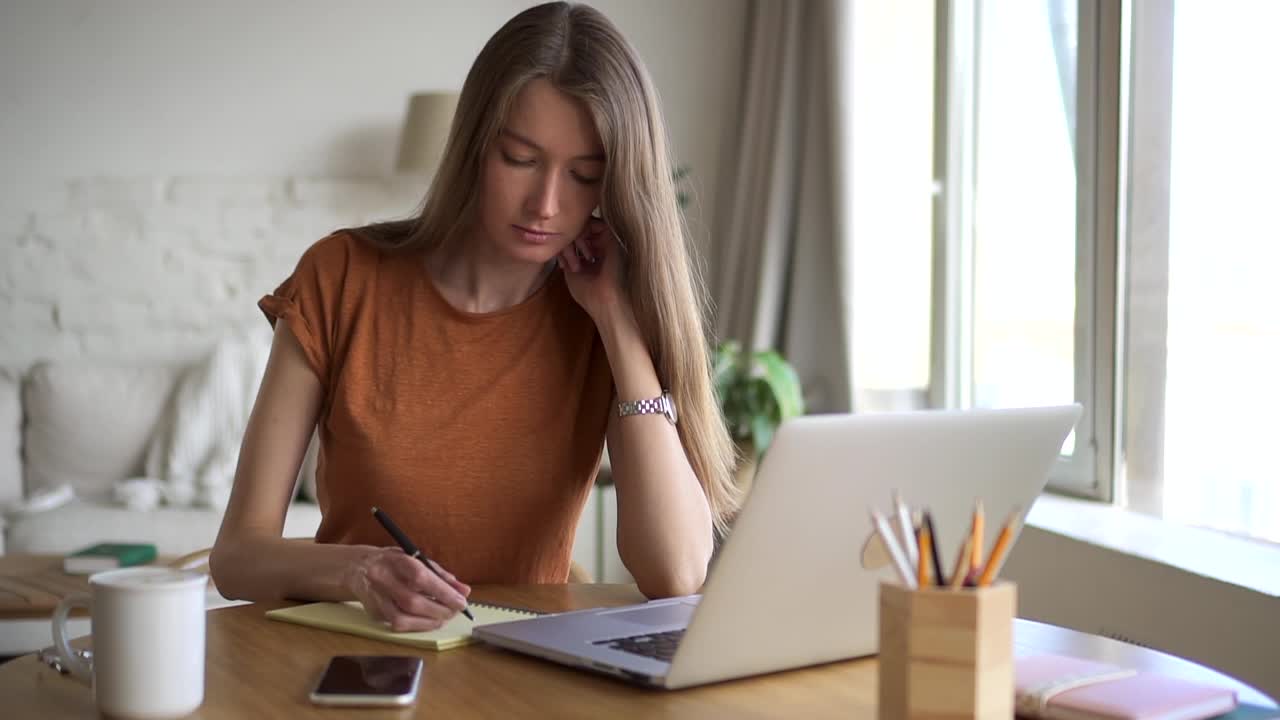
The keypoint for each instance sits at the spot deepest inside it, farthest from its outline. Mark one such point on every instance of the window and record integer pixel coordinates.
(892, 91)
(1204, 326)
(1024, 219)
(1027, 305)
(1103, 236)
(1096, 179)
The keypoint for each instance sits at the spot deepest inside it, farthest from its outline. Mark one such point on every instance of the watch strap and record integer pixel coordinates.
(648, 406)
(662, 405)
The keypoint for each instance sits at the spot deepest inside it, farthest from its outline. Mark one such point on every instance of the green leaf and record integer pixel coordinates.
(757, 391)
(782, 380)
(737, 413)
(757, 401)
(678, 175)
(761, 434)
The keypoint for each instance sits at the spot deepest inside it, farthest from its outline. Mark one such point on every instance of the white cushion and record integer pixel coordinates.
(10, 439)
(174, 531)
(89, 424)
(196, 451)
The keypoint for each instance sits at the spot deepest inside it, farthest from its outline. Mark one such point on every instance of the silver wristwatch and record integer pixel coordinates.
(661, 404)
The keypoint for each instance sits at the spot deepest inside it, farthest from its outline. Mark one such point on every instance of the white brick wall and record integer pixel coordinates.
(162, 165)
(158, 268)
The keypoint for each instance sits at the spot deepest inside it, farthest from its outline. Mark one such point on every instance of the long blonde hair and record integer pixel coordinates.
(583, 55)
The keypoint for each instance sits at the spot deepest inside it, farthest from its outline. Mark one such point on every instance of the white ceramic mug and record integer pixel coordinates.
(148, 641)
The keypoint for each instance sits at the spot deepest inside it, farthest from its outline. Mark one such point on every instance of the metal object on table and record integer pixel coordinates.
(49, 656)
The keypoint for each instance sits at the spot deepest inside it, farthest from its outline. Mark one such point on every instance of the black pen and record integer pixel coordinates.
(939, 578)
(412, 550)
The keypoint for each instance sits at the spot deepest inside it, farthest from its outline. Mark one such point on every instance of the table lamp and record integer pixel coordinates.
(426, 128)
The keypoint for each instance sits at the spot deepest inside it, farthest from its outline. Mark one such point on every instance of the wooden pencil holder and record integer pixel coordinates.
(947, 653)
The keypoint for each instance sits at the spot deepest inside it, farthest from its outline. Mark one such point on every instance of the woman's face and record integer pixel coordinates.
(542, 176)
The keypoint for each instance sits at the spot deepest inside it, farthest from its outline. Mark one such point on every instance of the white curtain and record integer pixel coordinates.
(779, 262)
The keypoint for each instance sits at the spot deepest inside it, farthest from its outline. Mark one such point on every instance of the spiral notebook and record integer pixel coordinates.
(351, 618)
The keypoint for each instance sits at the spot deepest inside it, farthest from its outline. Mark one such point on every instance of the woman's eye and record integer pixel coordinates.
(517, 161)
(585, 180)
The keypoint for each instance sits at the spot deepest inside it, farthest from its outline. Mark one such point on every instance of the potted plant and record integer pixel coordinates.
(757, 390)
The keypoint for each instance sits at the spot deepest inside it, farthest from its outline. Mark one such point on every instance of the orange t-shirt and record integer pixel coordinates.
(479, 433)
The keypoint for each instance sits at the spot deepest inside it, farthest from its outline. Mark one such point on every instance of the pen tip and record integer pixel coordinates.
(374, 510)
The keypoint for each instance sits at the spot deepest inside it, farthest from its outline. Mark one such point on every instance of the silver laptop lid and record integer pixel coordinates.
(788, 589)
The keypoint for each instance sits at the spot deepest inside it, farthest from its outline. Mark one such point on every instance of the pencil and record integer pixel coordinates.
(975, 553)
(999, 552)
(962, 563)
(922, 565)
(906, 528)
(896, 556)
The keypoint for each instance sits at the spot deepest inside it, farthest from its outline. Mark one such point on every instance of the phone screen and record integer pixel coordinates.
(371, 676)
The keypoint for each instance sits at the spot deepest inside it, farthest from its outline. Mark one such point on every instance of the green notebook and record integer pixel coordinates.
(107, 556)
(351, 618)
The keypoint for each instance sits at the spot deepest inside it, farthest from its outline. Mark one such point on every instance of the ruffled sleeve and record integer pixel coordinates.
(308, 300)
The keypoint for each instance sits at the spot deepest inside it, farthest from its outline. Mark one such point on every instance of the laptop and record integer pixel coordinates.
(796, 583)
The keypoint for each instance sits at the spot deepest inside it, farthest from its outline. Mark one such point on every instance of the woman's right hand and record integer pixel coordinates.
(402, 592)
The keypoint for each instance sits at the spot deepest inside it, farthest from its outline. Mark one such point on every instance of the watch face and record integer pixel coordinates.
(671, 407)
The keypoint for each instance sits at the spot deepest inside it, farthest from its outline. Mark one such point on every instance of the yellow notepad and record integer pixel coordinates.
(351, 618)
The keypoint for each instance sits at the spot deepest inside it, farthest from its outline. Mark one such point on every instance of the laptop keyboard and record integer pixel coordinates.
(659, 646)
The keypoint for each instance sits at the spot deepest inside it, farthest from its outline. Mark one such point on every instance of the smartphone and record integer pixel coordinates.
(373, 680)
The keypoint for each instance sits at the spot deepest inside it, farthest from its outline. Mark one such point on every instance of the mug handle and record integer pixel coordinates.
(78, 666)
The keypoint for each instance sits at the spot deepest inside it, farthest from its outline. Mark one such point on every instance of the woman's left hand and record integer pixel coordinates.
(593, 270)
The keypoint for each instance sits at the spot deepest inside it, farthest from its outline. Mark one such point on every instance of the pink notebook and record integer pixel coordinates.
(1056, 687)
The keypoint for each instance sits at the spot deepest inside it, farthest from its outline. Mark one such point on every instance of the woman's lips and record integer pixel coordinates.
(535, 236)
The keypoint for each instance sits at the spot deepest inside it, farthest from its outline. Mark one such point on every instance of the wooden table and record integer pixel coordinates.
(258, 668)
(31, 586)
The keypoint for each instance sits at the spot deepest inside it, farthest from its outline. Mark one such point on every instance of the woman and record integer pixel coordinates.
(465, 367)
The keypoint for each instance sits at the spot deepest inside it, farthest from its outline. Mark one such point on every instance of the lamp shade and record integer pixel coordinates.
(426, 128)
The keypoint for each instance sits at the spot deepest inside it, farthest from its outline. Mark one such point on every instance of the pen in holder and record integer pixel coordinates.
(947, 652)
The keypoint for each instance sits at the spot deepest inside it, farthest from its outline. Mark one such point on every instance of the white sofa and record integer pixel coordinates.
(88, 425)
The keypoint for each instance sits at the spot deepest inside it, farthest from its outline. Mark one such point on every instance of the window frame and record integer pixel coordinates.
(1092, 469)
(1149, 109)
